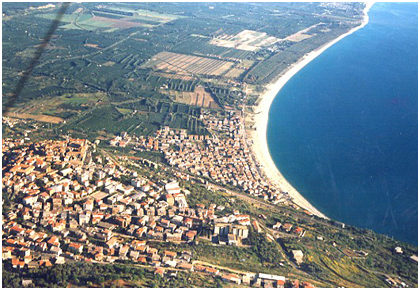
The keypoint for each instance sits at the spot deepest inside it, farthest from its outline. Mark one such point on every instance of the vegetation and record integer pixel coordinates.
(267, 252)
(75, 274)
(75, 78)
(82, 274)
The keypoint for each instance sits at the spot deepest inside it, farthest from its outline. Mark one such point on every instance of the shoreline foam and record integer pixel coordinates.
(259, 136)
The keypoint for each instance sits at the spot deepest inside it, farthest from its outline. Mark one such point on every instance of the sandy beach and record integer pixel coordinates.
(260, 119)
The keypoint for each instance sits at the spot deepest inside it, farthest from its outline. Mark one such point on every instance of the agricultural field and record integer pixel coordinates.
(235, 72)
(113, 23)
(111, 55)
(201, 45)
(175, 76)
(138, 117)
(39, 118)
(175, 62)
(171, 81)
(246, 64)
(66, 18)
(125, 17)
(59, 109)
(141, 14)
(112, 17)
(200, 98)
(245, 40)
(303, 34)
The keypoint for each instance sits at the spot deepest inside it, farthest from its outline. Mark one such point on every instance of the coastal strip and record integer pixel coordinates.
(260, 119)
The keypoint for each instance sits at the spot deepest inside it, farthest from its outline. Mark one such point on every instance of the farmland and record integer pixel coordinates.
(39, 118)
(245, 40)
(116, 23)
(138, 117)
(301, 35)
(200, 97)
(201, 45)
(124, 10)
(235, 72)
(108, 16)
(169, 61)
(176, 76)
(151, 64)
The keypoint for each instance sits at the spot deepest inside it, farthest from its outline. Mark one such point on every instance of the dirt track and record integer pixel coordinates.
(40, 118)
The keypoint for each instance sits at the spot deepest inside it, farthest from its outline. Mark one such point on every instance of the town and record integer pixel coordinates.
(224, 156)
(74, 206)
(134, 151)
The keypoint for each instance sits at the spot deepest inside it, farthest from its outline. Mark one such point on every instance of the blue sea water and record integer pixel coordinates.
(344, 130)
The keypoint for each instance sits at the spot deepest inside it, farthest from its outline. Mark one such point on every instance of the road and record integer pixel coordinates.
(222, 268)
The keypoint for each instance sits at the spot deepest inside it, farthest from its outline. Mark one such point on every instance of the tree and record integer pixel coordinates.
(219, 283)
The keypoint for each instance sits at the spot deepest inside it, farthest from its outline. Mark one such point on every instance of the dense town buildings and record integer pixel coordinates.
(223, 157)
(68, 205)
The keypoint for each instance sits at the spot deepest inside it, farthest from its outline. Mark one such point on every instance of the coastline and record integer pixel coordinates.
(259, 146)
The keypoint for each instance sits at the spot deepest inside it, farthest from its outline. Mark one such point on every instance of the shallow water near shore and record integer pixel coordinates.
(343, 130)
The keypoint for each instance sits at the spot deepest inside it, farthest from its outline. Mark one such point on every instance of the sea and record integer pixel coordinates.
(344, 130)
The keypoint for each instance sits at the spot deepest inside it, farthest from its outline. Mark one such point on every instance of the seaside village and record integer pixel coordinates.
(224, 156)
(70, 205)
